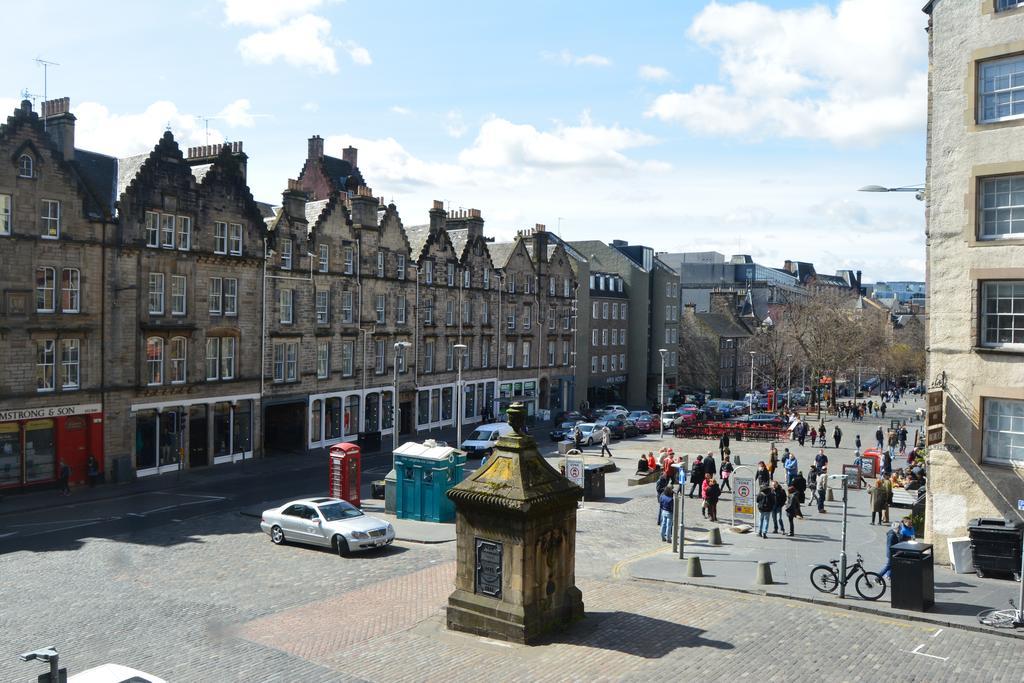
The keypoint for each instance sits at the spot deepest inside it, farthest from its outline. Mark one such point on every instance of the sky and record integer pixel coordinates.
(685, 125)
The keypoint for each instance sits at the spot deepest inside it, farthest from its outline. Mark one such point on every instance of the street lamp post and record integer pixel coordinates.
(789, 383)
(460, 350)
(400, 347)
(918, 190)
(750, 397)
(661, 400)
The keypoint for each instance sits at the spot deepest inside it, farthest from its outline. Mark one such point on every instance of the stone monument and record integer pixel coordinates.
(516, 544)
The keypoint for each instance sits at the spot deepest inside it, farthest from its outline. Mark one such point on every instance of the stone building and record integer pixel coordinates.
(183, 283)
(55, 209)
(716, 360)
(608, 346)
(975, 277)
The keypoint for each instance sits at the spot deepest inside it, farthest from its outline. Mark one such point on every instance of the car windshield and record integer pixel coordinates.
(480, 435)
(568, 425)
(332, 512)
(636, 415)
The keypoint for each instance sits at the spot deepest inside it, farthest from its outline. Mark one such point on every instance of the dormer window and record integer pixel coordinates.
(286, 255)
(25, 166)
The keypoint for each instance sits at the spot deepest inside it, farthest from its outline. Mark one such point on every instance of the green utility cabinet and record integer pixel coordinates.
(424, 472)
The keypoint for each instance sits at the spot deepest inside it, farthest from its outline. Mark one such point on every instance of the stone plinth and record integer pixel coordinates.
(516, 544)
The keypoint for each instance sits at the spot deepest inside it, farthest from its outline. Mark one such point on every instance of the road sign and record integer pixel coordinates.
(1020, 504)
(743, 499)
(574, 470)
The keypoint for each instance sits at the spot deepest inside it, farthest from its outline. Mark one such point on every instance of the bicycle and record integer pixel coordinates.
(869, 585)
(1002, 618)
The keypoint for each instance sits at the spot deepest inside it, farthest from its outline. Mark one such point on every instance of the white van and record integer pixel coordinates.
(481, 442)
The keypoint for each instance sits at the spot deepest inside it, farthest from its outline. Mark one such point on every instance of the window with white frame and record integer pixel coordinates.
(178, 294)
(604, 311)
(152, 229)
(551, 352)
(1003, 431)
(380, 263)
(597, 311)
(428, 312)
(565, 353)
(1001, 89)
(284, 299)
(487, 277)
(286, 361)
(615, 336)
(400, 358)
(323, 306)
(379, 356)
(5, 214)
(615, 311)
(668, 312)
(566, 287)
(593, 363)
(566, 319)
(526, 284)
(46, 283)
(400, 266)
(347, 358)
(346, 307)
(178, 356)
(594, 337)
(350, 260)
(286, 254)
(449, 312)
(604, 363)
(25, 165)
(215, 298)
(70, 358)
(212, 358)
(511, 283)
(551, 286)
(485, 312)
(220, 237)
(381, 309)
(325, 258)
(526, 353)
(184, 233)
(49, 219)
(227, 358)
(428, 272)
(45, 352)
(154, 361)
(511, 319)
(466, 278)
(551, 318)
(230, 296)
(400, 310)
(167, 231)
(1002, 314)
(615, 363)
(235, 239)
(156, 293)
(527, 317)
(449, 356)
(1002, 207)
(428, 356)
(510, 354)
(450, 275)
(485, 353)
(604, 337)
(622, 362)
(323, 359)
(622, 311)
(467, 312)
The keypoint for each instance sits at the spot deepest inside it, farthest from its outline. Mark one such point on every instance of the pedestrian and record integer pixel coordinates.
(723, 443)
(711, 496)
(801, 432)
(92, 470)
(606, 438)
(822, 483)
(821, 460)
(823, 436)
(858, 462)
(773, 462)
(837, 435)
(800, 485)
(886, 463)
(696, 474)
(710, 466)
(577, 438)
(65, 478)
(665, 503)
(887, 485)
(708, 478)
(793, 508)
(664, 481)
(725, 472)
(790, 464)
(778, 514)
(765, 502)
(903, 439)
(761, 476)
(877, 496)
(814, 436)
(892, 537)
(882, 409)
(879, 438)
(906, 530)
(856, 442)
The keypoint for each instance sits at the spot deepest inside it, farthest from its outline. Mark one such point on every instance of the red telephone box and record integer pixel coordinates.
(345, 472)
(871, 461)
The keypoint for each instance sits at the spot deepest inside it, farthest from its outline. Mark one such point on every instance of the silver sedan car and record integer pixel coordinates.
(328, 522)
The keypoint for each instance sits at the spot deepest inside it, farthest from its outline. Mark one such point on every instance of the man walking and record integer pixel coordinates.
(723, 443)
(606, 438)
(879, 438)
(696, 474)
(765, 503)
(822, 488)
(837, 435)
(789, 462)
(778, 516)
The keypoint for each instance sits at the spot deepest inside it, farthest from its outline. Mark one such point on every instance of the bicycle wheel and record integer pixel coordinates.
(870, 585)
(824, 579)
(999, 618)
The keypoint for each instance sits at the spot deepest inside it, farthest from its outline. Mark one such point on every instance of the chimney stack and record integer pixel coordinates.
(316, 147)
(207, 154)
(723, 303)
(349, 154)
(540, 243)
(438, 217)
(364, 207)
(294, 200)
(60, 124)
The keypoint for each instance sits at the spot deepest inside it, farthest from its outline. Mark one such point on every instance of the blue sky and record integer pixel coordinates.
(688, 125)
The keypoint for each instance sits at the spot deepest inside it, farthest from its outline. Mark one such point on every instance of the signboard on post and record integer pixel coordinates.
(853, 476)
(743, 498)
(574, 470)
(935, 407)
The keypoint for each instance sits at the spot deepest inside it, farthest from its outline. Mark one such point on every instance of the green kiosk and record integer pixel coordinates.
(423, 474)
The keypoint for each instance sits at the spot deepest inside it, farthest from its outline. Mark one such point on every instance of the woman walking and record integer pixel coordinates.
(711, 495)
(725, 472)
(773, 462)
(877, 496)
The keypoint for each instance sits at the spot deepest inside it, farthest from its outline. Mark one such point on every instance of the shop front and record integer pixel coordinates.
(34, 440)
(193, 433)
(342, 416)
(478, 400)
(561, 394)
(605, 390)
(435, 406)
(517, 391)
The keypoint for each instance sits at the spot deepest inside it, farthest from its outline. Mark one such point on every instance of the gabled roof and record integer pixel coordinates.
(314, 210)
(417, 236)
(723, 325)
(501, 252)
(199, 171)
(460, 239)
(342, 174)
(127, 169)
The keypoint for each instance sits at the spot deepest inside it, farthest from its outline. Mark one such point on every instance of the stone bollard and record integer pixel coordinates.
(829, 497)
(764, 574)
(736, 460)
(693, 569)
(715, 536)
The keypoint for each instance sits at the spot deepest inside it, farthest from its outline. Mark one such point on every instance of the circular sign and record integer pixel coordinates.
(743, 490)
(574, 471)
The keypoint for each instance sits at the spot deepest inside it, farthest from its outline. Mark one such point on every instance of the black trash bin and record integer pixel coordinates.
(369, 442)
(996, 546)
(913, 576)
(593, 483)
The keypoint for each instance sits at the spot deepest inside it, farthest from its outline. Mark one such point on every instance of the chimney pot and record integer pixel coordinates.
(539, 227)
(438, 205)
(350, 154)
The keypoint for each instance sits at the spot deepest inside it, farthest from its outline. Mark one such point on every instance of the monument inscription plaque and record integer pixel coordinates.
(488, 567)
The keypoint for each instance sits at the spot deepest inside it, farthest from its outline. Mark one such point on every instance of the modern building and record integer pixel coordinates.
(897, 293)
(975, 264)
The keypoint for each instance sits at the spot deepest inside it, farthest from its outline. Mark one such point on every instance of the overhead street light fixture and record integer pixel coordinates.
(918, 190)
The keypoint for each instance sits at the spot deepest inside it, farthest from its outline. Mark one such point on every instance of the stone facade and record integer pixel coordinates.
(608, 348)
(975, 258)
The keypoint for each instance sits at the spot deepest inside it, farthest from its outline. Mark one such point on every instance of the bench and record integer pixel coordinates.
(904, 498)
(642, 478)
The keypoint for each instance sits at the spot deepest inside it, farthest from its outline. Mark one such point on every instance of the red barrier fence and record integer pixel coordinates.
(742, 431)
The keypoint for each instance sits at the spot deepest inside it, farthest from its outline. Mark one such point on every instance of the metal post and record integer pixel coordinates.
(677, 505)
(842, 554)
(1020, 600)
(461, 349)
(54, 668)
(682, 523)
(750, 402)
(661, 401)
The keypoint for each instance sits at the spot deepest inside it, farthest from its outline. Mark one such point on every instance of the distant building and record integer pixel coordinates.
(897, 292)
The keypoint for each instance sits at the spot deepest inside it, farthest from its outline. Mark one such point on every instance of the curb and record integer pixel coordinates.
(853, 607)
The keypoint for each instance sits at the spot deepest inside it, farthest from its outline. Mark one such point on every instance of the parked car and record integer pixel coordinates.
(573, 416)
(481, 442)
(587, 433)
(739, 408)
(617, 427)
(767, 419)
(563, 431)
(113, 673)
(615, 406)
(329, 522)
(648, 423)
(669, 418)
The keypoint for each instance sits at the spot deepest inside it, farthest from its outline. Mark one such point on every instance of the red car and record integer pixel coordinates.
(648, 423)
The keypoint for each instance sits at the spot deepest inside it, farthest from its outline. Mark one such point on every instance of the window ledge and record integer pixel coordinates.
(996, 242)
(998, 350)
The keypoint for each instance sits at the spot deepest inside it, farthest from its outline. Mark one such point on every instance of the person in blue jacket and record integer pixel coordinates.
(665, 501)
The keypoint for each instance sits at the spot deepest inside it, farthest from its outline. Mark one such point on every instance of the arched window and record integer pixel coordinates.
(178, 355)
(25, 166)
(154, 360)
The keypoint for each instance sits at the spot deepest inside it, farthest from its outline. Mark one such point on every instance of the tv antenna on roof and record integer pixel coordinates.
(46, 72)
(206, 121)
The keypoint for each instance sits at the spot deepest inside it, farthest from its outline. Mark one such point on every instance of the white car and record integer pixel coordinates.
(329, 522)
(114, 673)
(587, 432)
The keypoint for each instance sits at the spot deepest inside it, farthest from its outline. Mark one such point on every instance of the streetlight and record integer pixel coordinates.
(789, 383)
(400, 347)
(460, 350)
(918, 190)
(661, 401)
(750, 397)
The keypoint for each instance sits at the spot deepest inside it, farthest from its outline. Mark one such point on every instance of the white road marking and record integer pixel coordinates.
(924, 654)
(936, 633)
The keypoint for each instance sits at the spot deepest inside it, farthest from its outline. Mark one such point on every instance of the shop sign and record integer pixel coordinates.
(935, 435)
(42, 413)
(616, 379)
(935, 407)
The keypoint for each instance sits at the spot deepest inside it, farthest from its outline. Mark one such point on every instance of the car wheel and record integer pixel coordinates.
(341, 546)
(590, 442)
(276, 535)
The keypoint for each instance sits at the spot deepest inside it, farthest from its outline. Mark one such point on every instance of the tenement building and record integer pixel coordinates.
(975, 279)
(609, 343)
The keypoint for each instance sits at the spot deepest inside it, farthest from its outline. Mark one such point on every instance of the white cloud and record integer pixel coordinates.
(302, 42)
(402, 111)
(502, 143)
(387, 163)
(266, 12)
(808, 73)
(100, 130)
(310, 106)
(454, 125)
(653, 73)
(359, 54)
(237, 114)
(567, 58)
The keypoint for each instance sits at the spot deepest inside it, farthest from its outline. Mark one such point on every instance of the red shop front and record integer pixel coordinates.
(33, 441)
